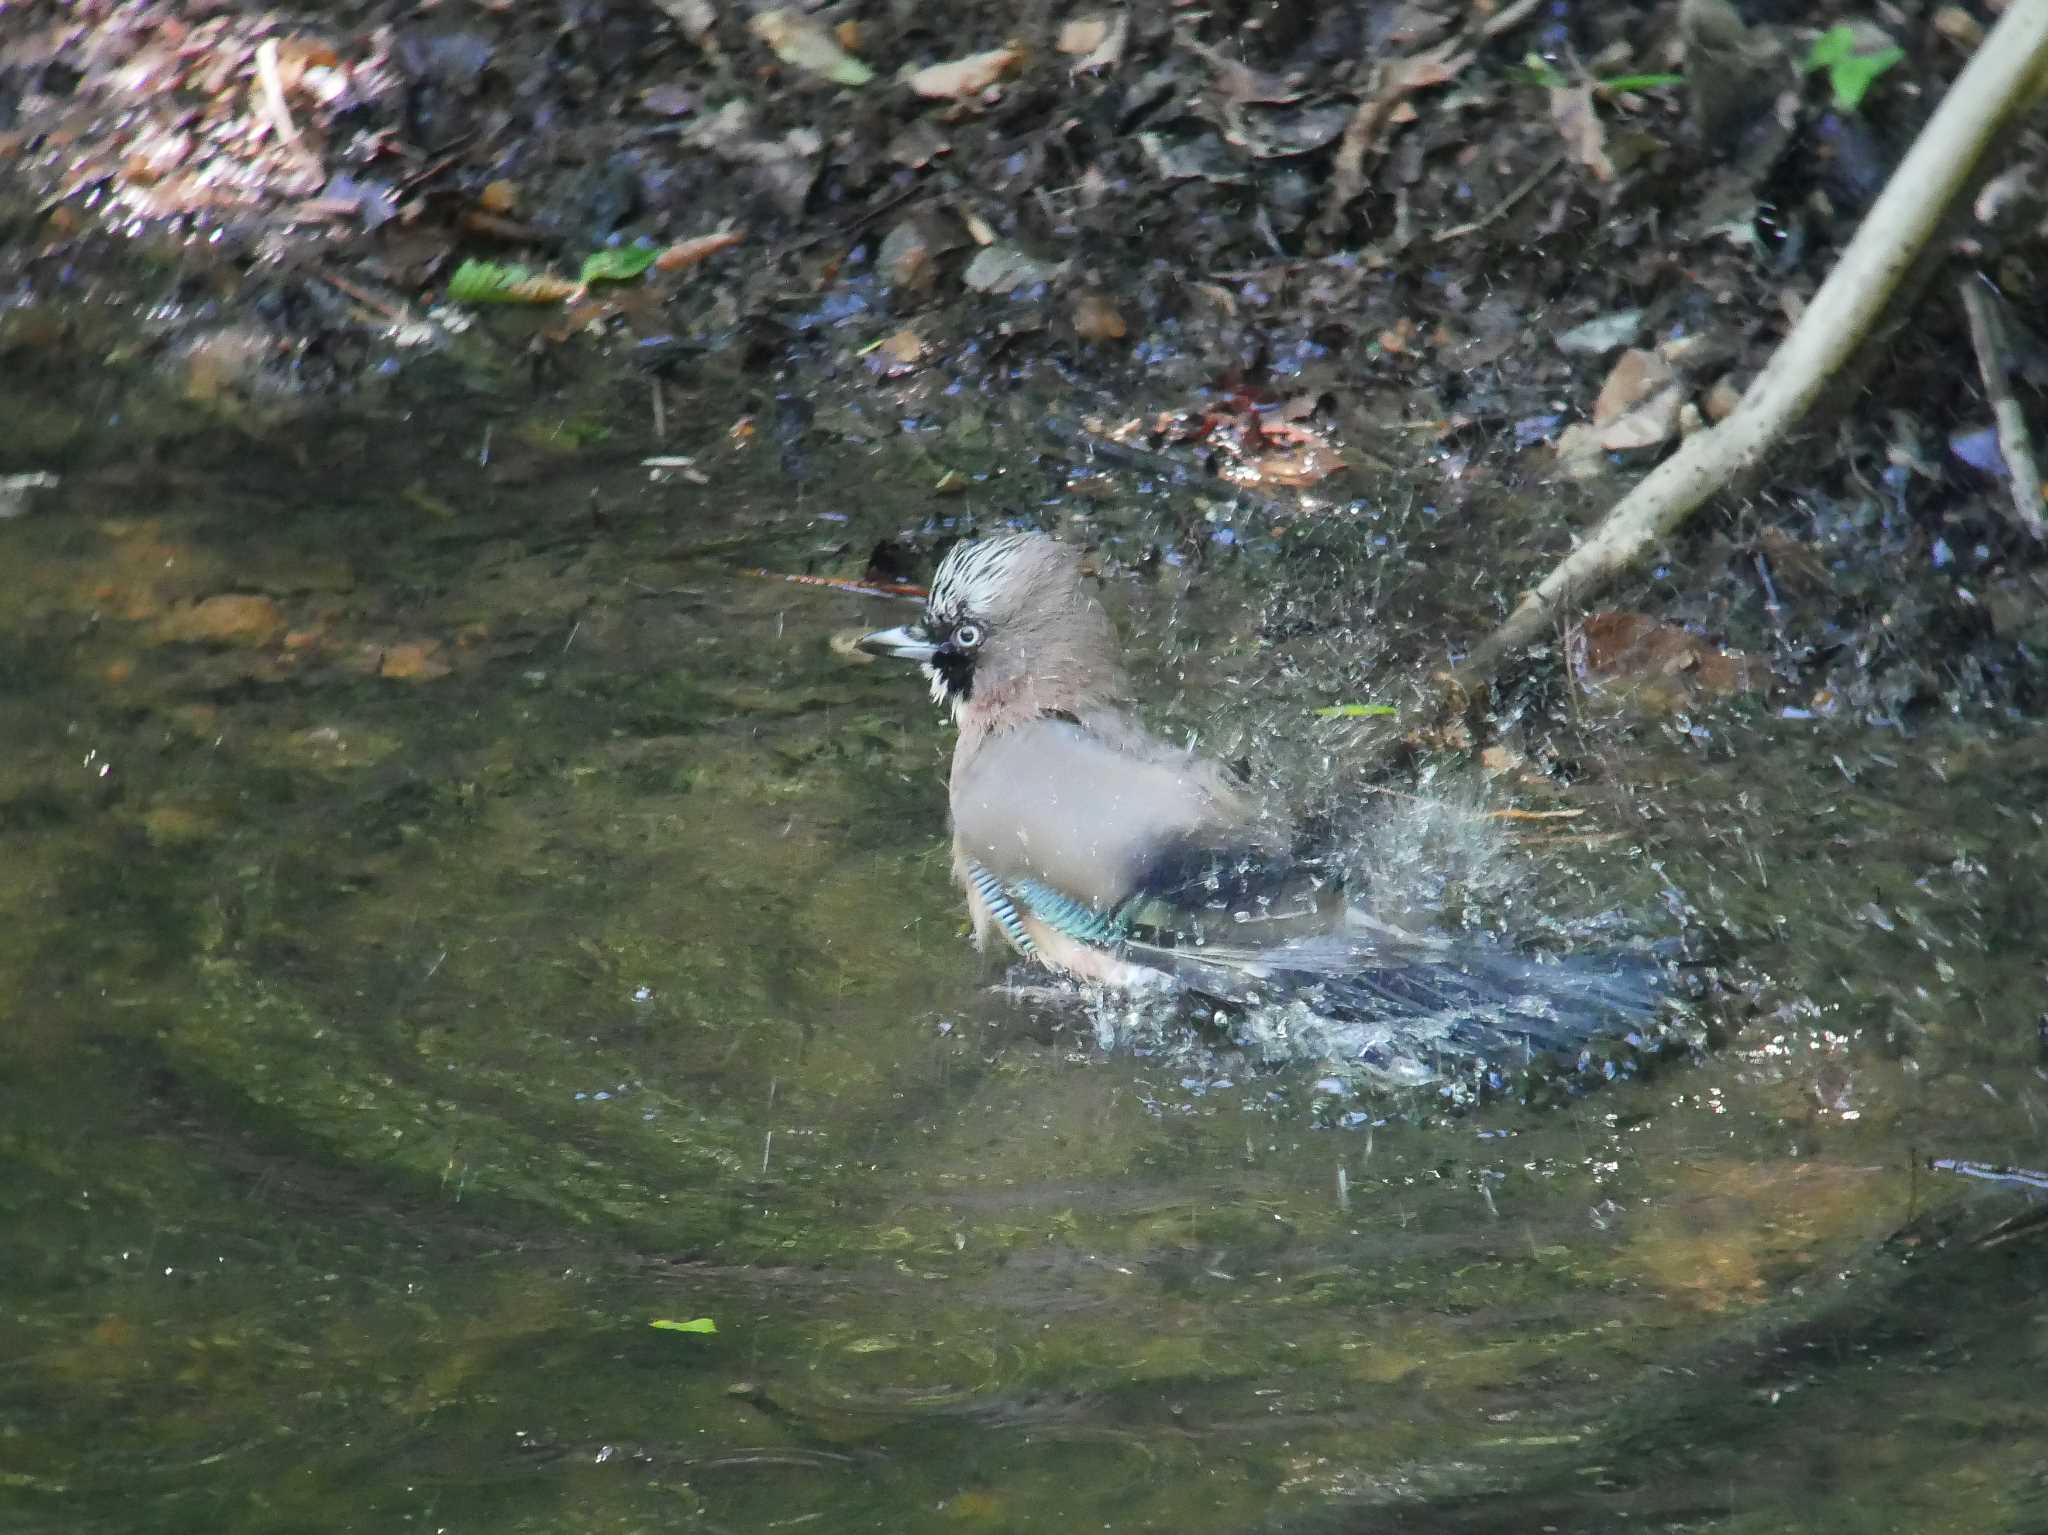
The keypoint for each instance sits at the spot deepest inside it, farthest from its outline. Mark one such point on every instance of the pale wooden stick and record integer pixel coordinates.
(2015, 445)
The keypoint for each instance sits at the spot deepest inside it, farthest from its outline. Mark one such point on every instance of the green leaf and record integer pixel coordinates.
(1852, 78)
(1850, 74)
(621, 263)
(1355, 711)
(1831, 47)
(491, 282)
(695, 1324)
(484, 282)
(1622, 83)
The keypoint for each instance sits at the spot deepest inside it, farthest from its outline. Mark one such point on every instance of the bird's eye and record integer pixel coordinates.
(967, 636)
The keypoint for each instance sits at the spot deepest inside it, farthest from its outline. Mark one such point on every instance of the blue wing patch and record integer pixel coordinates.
(1070, 917)
(1062, 913)
(1001, 907)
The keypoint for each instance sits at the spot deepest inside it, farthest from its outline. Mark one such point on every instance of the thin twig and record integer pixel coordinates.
(1510, 16)
(2015, 445)
(450, 153)
(396, 313)
(1528, 184)
(903, 593)
(278, 109)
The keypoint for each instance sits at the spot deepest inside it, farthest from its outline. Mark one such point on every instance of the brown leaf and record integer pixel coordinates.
(1657, 664)
(799, 41)
(1360, 146)
(233, 618)
(917, 144)
(697, 18)
(970, 76)
(1238, 84)
(1304, 461)
(1097, 319)
(1571, 108)
(907, 255)
(540, 288)
(413, 661)
(1636, 375)
(906, 347)
(1654, 421)
(1797, 566)
(1083, 34)
(687, 253)
(1108, 53)
(1722, 399)
(1297, 471)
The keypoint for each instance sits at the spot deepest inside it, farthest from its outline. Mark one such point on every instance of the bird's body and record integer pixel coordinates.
(1091, 845)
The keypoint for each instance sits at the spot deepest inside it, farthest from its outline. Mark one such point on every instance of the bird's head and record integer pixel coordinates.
(1009, 618)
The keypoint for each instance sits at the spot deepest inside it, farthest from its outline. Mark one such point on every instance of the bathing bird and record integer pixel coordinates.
(1100, 850)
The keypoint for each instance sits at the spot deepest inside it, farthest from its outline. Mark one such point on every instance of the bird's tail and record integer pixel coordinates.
(1487, 997)
(1468, 997)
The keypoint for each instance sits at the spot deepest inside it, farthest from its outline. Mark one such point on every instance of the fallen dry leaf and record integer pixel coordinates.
(1083, 34)
(1390, 82)
(1108, 53)
(536, 288)
(1579, 453)
(669, 100)
(1004, 269)
(233, 618)
(1296, 471)
(1797, 566)
(977, 227)
(1654, 421)
(687, 253)
(1636, 375)
(905, 347)
(1303, 459)
(697, 18)
(1571, 108)
(917, 144)
(413, 661)
(803, 44)
(965, 77)
(1959, 26)
(1238, 84)
(1097, 319)
(1657, 665)
(907, 256)
(1722, 399)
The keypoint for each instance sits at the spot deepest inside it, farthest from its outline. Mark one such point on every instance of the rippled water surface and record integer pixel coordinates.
(455, 918)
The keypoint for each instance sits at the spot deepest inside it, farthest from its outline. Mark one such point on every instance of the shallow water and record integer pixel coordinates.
(509, 925)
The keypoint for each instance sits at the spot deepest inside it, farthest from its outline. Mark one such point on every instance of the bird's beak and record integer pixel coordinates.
(909, 643)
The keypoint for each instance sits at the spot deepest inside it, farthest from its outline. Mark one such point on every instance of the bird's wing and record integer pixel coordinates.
(1100, 834)
(1077, 845)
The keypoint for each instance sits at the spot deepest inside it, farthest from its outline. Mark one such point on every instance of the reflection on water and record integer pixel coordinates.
(455, 920)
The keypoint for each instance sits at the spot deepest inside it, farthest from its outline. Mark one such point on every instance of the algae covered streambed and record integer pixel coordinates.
(456, 917)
